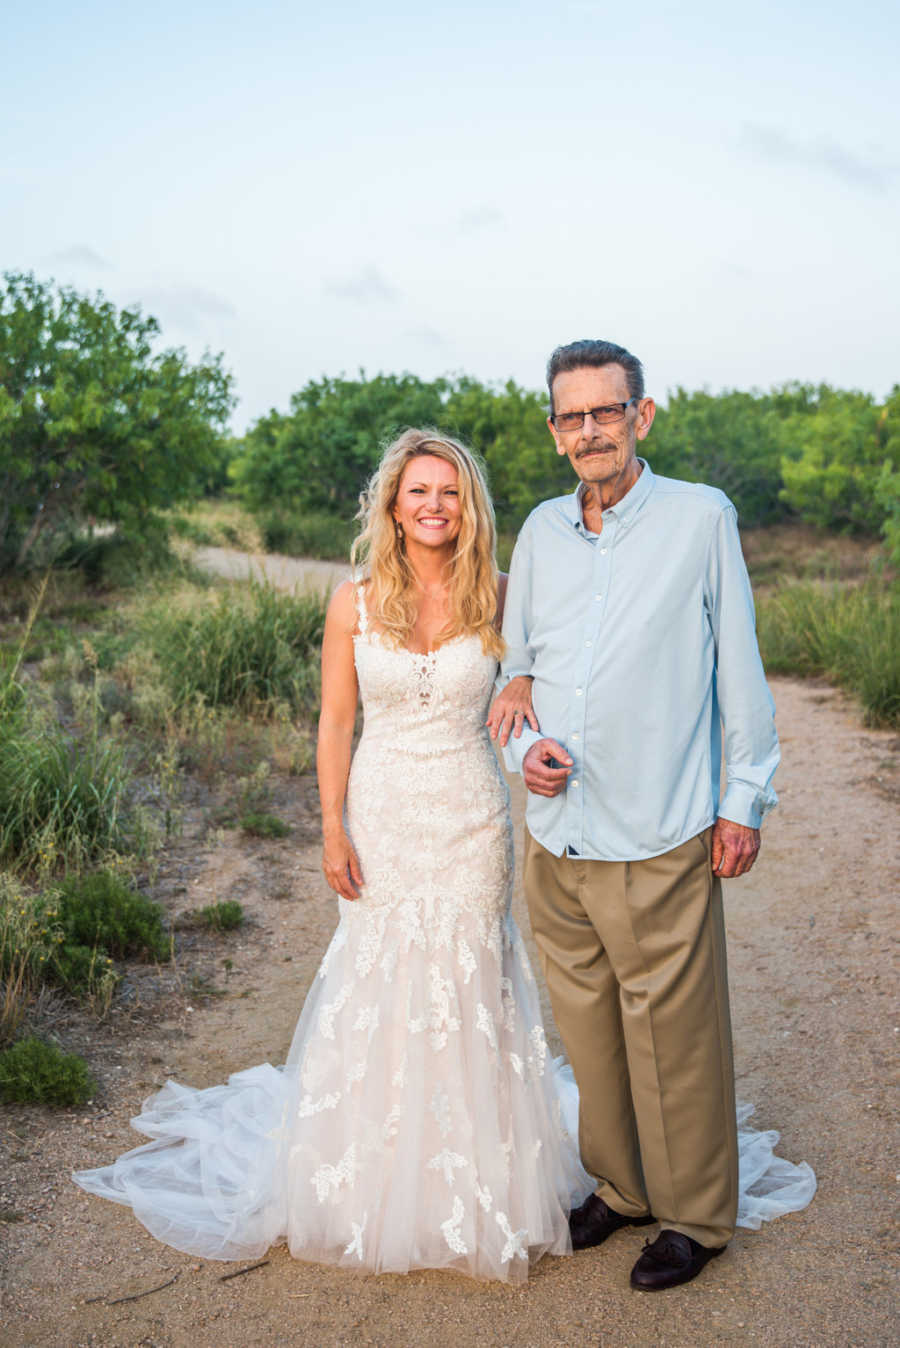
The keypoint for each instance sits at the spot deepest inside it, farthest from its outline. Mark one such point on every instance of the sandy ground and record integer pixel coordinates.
(815, 1040)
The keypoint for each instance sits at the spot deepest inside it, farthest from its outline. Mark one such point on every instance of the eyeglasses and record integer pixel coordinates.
(601, 416)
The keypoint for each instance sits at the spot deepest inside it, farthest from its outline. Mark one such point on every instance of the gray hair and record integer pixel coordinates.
(577, 355)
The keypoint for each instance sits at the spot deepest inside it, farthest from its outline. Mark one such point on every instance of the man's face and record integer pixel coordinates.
(602, 455)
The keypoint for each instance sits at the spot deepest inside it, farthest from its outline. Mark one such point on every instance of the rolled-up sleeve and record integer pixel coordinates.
(745, 703)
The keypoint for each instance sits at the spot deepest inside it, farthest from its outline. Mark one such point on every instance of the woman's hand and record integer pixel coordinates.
(511, 708)
(340, 865)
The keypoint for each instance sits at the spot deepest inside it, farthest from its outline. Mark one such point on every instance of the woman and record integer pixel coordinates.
(419, 1122)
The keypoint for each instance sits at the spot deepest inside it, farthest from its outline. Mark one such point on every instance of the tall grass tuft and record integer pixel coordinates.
(61, 803)
(252, 649)
(29, 936)
(850, 634)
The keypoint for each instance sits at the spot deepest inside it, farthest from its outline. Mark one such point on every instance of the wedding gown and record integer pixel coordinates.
(419, 1121)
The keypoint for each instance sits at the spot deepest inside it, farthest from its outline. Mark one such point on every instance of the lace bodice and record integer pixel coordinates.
(422, 702)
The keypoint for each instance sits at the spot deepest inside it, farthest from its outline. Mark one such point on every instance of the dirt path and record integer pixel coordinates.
(285, 573)
(815, 1037)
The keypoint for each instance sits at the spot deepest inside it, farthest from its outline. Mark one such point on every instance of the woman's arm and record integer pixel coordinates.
(340, 691)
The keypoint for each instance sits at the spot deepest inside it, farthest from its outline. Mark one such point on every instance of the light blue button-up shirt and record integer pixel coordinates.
(642, 644)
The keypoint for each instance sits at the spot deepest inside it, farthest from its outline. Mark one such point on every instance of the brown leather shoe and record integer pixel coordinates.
(595, 1220)
(669, 1260)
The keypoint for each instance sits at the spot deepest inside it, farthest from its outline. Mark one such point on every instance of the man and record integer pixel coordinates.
(629, 606)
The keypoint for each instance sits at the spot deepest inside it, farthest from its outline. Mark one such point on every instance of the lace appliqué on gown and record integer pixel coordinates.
(418, 1122)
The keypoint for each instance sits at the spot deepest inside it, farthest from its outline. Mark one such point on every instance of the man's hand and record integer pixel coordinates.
(511, 708)
(546, 768)
(734, 848)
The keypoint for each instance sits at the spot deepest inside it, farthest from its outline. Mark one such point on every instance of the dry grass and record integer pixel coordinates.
(217, 524)
(786, 552)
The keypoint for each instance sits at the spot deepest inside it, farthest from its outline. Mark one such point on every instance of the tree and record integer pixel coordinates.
(319, 456)
(843, 474)
(733, 440)
(508, 426)
(94, 422)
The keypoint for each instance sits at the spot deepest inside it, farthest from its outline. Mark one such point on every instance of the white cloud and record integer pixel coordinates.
(185, 307)
(366, 286)
(80, 255)
(857, 170)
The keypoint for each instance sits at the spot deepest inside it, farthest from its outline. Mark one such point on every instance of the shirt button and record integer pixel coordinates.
(575, 783)
(598, 596)
(604, 551)
(575, 735)
(578, 692)
(589, 643)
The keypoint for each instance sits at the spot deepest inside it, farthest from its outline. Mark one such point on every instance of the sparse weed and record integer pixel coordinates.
(225, 916)
(265, 826)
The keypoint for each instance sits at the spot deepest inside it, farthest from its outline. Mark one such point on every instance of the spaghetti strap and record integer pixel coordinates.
(359, 587)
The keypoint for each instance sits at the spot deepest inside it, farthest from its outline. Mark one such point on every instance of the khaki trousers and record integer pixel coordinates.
(633, 953)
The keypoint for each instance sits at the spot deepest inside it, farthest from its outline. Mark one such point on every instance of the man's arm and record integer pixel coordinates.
(745, 704)
(517, 659)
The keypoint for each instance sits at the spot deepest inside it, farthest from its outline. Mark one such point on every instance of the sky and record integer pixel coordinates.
(321, 189)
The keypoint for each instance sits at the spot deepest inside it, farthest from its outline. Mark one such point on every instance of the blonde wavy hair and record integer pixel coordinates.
(472, 570)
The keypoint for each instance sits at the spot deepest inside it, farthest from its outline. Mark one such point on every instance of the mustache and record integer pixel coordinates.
(596, 445)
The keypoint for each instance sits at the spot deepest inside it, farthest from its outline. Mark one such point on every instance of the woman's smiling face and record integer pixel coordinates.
(427, 506)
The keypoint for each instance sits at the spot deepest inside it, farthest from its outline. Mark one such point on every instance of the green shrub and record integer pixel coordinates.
(118, 561)
(101, 911)
(265, 826)
(191, 531)
(38, 1072)
(85, 972)
(252, 649)
(224, 916)
(311, 534)
(848, 634)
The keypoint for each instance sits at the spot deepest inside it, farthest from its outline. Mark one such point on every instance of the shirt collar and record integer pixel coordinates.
(629, 505)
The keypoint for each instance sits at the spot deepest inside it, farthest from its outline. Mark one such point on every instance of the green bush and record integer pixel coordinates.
(846, 450)
(33, 1071)
(848, 634)
(117, 561)
(84, 971)
(224, 916)
(265, 826)
(101, 911)
(253, 649)
(312, 534)
(191, 531)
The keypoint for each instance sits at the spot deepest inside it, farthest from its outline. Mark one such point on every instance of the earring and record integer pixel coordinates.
(398, 530)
